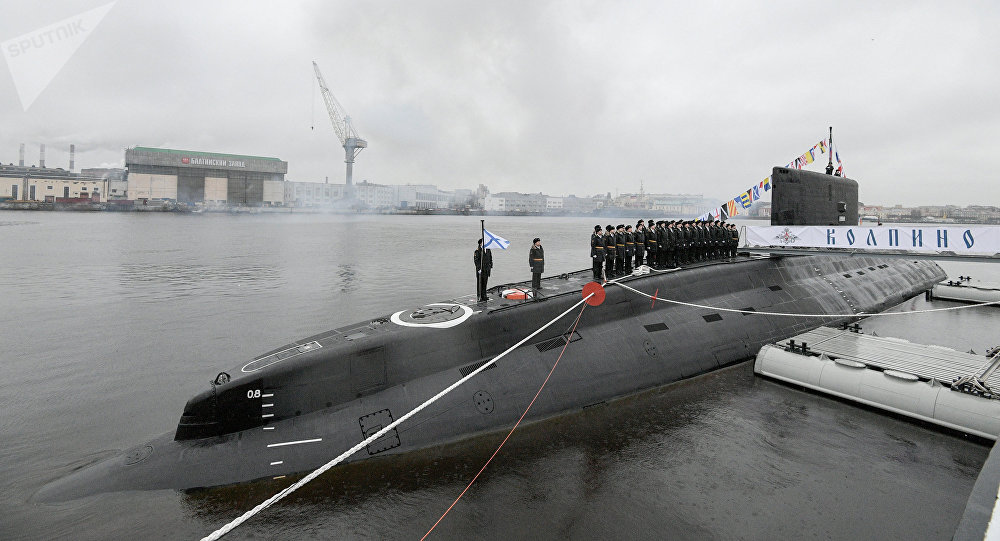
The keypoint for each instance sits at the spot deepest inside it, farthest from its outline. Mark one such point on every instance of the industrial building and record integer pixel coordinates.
(49, 184)
(186, 176)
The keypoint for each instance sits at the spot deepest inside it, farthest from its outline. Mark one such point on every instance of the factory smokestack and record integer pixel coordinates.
(41, 155)
(72, 157)
(20, 161)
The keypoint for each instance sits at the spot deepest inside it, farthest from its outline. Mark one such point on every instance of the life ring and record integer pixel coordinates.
(517, 294)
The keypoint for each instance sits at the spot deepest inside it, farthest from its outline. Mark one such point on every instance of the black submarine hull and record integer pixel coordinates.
(293, 409)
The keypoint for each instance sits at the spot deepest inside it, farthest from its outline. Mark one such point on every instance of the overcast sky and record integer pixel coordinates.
(560, 97)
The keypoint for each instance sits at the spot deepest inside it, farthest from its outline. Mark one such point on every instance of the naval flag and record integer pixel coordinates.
(495, 240)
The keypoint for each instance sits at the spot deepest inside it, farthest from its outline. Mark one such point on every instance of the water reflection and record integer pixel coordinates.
(184, 279)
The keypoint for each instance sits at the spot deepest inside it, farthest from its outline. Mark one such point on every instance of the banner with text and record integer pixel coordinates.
(925, 239)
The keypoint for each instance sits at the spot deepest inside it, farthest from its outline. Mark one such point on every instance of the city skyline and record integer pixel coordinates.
(567, 97)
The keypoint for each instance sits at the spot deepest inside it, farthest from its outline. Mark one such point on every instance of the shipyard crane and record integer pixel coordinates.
(349, 138)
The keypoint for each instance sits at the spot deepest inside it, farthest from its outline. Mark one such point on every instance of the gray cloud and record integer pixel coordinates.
(561, 97)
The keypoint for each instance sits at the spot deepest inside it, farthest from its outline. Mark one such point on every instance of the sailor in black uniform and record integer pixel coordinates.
(620, 252)
(609, 252)
(484, 264)
(734, 243)
(597, 251)
(640, 242)
(629, 249)
(662, 244)
(536, 260)
(651, 245)
(670, 236)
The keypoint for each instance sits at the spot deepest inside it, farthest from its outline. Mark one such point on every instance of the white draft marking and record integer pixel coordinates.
(278, 462)
(284, 443)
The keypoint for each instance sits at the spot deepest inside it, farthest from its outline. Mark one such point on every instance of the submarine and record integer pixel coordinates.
(292, 409)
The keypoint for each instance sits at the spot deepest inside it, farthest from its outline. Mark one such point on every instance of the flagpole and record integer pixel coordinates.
(482, 232)
(829, 165)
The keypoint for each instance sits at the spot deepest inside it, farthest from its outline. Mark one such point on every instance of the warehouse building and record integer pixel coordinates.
(186, 176)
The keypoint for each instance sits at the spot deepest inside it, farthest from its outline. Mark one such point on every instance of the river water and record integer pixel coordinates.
(110, 322)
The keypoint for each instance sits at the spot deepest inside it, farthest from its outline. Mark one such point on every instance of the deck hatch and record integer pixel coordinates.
(712, 317)
(748, 309)
(774, 288)
(279, 356)
(653, 327)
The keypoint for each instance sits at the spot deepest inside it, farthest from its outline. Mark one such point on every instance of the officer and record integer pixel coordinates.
(629, 248)
(536, 261)
(651, 245)
(609, 252)
(484, 264)
(620, 252)
(640, 242)
(597, 251)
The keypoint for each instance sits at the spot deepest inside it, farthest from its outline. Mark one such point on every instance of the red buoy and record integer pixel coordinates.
(597, 290)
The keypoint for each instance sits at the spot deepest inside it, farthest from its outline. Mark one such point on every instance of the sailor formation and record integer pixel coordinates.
(660, 245)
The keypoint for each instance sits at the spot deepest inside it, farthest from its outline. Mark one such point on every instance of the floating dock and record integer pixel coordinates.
(966, 291)
(891, 374)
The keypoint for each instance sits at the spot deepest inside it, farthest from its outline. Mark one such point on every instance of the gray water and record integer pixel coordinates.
(110, 322)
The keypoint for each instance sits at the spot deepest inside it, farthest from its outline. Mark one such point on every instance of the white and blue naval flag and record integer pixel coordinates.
(494, 241)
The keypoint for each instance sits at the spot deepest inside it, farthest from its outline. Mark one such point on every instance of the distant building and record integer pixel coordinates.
(30, 183)
(188, 176)
(421, 196)
(515, 202)
(374, 196)
(312, 194)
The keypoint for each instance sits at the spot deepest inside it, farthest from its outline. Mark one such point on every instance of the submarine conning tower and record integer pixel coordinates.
(808, 198)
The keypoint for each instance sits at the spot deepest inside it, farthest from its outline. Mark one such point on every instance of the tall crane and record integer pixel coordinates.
(353, 143)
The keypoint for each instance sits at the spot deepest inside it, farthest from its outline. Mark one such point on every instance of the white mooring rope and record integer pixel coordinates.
(638, 271)
(322, 469)
(748, 312)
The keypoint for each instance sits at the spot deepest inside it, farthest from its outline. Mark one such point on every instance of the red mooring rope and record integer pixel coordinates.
(495, 453)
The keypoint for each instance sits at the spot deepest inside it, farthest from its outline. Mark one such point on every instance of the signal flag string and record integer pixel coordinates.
(495, 453)
(217, 534)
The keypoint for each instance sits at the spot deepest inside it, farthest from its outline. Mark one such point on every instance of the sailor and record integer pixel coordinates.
(629, 249)
(713, 240)
(620, 252)
(609, 252)
(699, 232)
(723, 239)
(484, 264)
(684, 238)
(597, 251)
(651, 246)
(735, 242)
(640, 242)
(536, 260)
(670, 236)
(662, 243)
